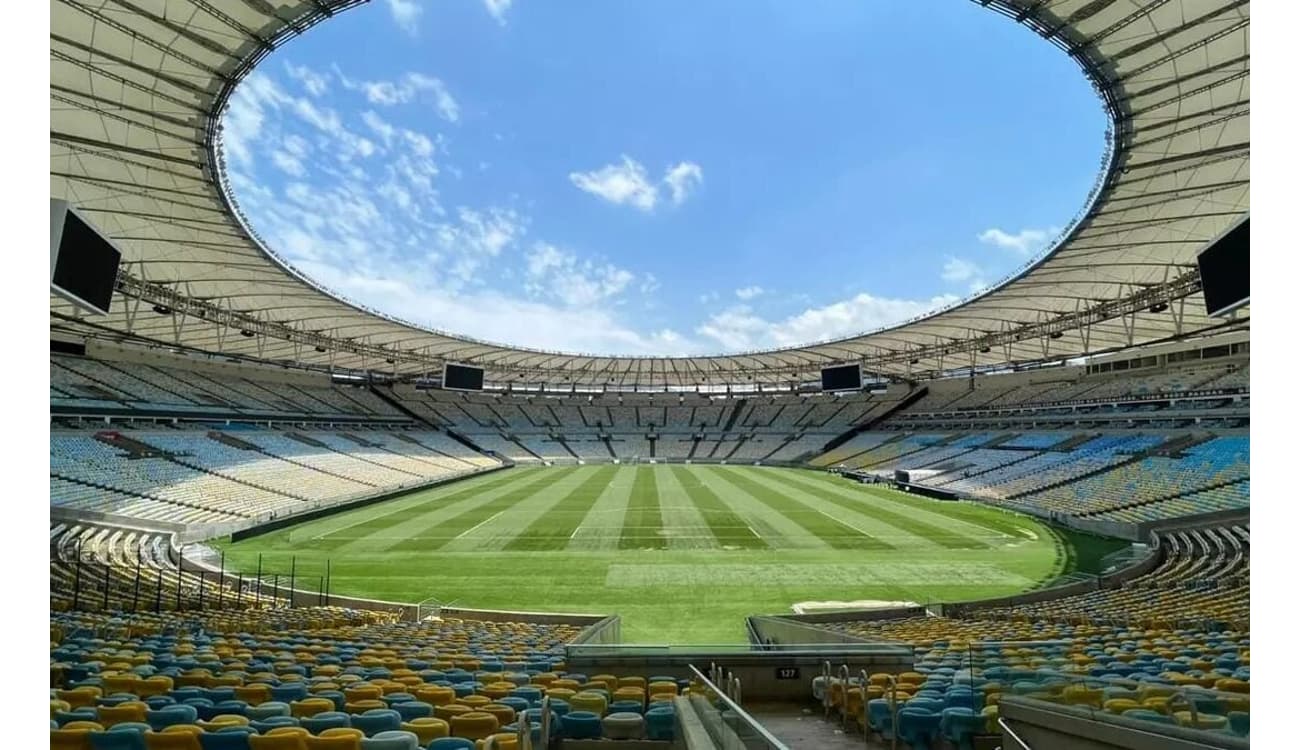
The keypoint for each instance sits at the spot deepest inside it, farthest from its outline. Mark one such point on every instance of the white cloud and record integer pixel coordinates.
(649, 284)
(315, 83)
(683, 178)
(288, 163)
(620, 184)
(628, 183)
(406, 89)
(1026, 242)
(407, 14)
(958, 269)
(738, 328)
(379, 126)
(558, 274)
(708, 297)
(749, 292)
(498, 9)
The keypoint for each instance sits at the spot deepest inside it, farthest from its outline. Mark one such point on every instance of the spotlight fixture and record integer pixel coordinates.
(320, 349)
(162, 309)
(391, 361)
(246, 333)
(915, 362)
(985, 350)
(1159, 307)
(1055, 335)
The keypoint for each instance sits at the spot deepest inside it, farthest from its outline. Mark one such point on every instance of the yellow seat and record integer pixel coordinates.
(588, 701)
(630, 694)
(563, 694)
(504, 714)
(1079, 695)
(70, 739)
(156, 685)
(880, 679)
(79, 697)
(121, 683)
(310, 706)
(632, 681)
(253, 695)
(92, 726)
(362, 693)
(497, 690)
(449, 711)
(221, 721)
(1203, 721)
(1229, 685)
(662, 687)
(609, 680)
(435, 695)
(343, 732)
(338, 742)
(360, 707)
(475, 701)
(1120, 705)
(499, 741)
(121, 713)
(474, 725)
(427, 728)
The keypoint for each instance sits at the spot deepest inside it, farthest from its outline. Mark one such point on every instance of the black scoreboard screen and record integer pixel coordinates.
(462, 378)
(843, 378)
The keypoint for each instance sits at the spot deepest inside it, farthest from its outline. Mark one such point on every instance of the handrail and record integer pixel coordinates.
(739, 712)
(844, 695)
(1012, 734)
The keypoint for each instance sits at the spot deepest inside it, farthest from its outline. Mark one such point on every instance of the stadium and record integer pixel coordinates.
(282, 518)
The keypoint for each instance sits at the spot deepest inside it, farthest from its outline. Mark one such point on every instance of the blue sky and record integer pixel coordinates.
(668, 177)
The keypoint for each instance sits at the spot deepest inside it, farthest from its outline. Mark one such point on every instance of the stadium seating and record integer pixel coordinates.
(327, 671)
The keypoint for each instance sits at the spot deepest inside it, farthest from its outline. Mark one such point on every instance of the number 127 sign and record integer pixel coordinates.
(787, 673)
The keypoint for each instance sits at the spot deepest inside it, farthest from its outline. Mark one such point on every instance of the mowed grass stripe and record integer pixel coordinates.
(643, 522)
(728, 528)
(959, 515)
(940, 535)
(350, 526)
(453, 526)
(1002, 523)
(552, 530)
(835, 533)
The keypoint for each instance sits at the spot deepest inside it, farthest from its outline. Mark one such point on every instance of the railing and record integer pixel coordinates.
(719, 711)
(1008, 731)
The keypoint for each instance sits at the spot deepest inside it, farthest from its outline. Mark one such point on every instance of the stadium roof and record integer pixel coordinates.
(137, 88)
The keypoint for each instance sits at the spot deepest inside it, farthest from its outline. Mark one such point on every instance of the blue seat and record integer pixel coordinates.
(271, 722)
(340, 700)
(170, 715)
(660, 723)
(226, 740)
(412, 709)
(960, 725)
(327, 720)
(917, 726)
(880, 717)
(451, 743)
(267, 710)
(289, 691)
(79, 714)
(238, 708)
(581, 725)
(377, 720)
(117, 740)
(1239, 723)
(391, 740)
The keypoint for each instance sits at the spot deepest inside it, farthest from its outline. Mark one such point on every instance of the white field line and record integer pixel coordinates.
(480, 523)
(843, 522)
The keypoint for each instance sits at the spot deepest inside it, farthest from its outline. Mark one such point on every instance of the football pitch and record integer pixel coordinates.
(682, 552)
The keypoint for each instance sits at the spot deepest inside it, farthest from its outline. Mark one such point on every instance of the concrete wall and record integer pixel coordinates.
(1046, 725)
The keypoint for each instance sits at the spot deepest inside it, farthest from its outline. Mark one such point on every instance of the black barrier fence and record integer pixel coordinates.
(84, 584)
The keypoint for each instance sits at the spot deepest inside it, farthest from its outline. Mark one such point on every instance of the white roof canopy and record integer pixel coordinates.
(137, 87)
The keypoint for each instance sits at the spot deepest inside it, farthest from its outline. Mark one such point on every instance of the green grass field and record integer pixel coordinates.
(683, 553)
